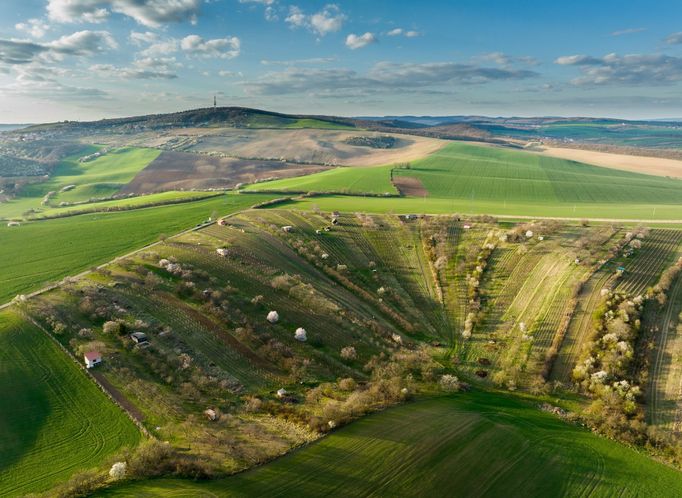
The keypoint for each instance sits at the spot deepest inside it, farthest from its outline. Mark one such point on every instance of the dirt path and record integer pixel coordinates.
(118, 396)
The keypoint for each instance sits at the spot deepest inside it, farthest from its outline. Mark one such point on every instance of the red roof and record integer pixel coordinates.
(92, 355)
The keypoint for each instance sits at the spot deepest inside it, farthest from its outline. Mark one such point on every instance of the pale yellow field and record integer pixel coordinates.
(639, 164)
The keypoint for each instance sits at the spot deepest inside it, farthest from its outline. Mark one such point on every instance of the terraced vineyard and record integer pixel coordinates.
(391, 301)
(54, 421)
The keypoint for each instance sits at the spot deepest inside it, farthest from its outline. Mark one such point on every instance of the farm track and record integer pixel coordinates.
(580, 327)
(664, 390)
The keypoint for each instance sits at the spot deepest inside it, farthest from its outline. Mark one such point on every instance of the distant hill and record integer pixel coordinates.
(10, 127)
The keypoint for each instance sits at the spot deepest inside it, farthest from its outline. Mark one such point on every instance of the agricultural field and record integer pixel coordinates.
(425, 447)
(40, 252)
(371, 311)
(370, 180)
(492, 180)
(54, 421)
(127, 203)
(74, 181)
(181, 170)
(326, 147)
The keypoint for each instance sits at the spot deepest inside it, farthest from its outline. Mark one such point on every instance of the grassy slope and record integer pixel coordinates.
(53, 419)
(476, 444)
(99, 178)
(475, 179)
(372, 180)
(128, 203)
(40, 252)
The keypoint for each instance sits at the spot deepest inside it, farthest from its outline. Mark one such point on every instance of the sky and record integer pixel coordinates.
(93, 59)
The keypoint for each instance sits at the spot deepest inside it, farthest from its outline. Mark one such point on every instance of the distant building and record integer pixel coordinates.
(288, 228)
(13, 224)
(281, 393)
(139, 337)
(92, 358)
(222, 251)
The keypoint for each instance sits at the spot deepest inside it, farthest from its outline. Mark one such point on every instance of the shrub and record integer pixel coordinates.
(349, 353)
(118, 470)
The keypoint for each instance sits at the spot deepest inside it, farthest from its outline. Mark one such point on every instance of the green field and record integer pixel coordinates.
(488, 180)
(160, 198)
(101, 177)
(53, 419)
(370, 180)
(475, 444)
(40, 252)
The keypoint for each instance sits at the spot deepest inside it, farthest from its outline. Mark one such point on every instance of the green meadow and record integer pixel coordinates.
(473, 444)
(474, 179)
(54, 421)
(40, 252)
(101, 177)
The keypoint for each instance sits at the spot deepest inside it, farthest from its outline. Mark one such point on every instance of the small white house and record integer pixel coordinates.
(288, 228)
(222, 251)
(281, 392)
(92, 358)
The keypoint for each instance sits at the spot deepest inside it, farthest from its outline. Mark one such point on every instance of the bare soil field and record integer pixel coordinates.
(181, 170)
(410, 186)
(658, 166)
(310, 146)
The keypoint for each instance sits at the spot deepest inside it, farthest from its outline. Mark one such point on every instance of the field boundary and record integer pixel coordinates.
(129, 414)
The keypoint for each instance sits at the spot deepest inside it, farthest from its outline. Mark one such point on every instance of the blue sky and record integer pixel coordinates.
(88, 59)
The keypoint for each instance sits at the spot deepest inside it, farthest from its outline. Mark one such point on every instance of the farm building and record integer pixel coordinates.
(281, 392)
(410, 216)
(92, 358)
(222, 251)
(222, 222)
(139, 337)
(287, 228)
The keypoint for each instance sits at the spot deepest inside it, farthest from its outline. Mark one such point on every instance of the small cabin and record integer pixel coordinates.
(288, 228)
(92, 359)
(222, 251)
(222, 222)
(281, 392)
(139, 337)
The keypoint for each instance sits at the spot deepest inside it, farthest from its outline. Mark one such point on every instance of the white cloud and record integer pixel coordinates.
(354, 41)
(139, 39)
(403, 32)
(141, 69)
(151, 13)
(34, 27)
(328, 20)
(382, 77)
(627, 31)
(82, 43)
(160, 48)
(674, 39)
(634, 69)
(222, 48)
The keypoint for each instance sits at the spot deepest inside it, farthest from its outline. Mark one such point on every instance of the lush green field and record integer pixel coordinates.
(53, 419)
(370, 180)
(101, 177)
(475, 444)
(430, 205)
(40, 252)
(488, 180)
(127, 203)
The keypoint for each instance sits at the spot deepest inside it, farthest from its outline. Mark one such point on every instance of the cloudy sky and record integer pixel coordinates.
(89, 59)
